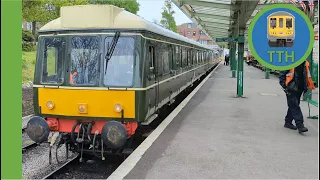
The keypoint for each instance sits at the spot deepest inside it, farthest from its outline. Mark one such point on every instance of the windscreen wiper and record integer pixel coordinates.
(111, 49)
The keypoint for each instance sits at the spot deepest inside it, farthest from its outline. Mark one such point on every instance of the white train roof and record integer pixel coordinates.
(107, 17)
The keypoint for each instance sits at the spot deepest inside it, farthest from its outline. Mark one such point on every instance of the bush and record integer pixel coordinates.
(27, 36)
(27, 46)
(36, 36)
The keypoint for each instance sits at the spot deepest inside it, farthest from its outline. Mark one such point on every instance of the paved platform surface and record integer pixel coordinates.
(219, 136)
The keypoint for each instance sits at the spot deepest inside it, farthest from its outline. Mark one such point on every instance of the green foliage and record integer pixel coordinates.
(34, 11)
(167, 20)
(28, 64)
(24, 63)
(27, 36)
(129, 5)
(57, 4)
(27, 41)
(44, 11)
(27, 46)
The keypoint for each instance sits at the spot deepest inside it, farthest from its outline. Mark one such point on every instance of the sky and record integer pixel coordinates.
(152, 9)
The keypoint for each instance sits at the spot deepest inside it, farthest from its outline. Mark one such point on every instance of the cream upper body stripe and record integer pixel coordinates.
(110, 88)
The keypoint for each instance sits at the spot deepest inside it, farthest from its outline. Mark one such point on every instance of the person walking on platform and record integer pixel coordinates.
(294, 82)
(226, 60)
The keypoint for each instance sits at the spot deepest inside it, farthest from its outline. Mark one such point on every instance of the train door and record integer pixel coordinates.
(153, 91)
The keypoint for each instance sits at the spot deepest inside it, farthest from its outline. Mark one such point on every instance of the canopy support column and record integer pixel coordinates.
(240, 63)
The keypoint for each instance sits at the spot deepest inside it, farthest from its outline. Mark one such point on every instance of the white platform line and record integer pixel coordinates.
(133, 159)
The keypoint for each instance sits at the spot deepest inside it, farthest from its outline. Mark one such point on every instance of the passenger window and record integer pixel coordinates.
(273, 23)
(202, 56)
(165, 58)
(206, 56)
(189, 57)
(151, 57)
(52, 59)
(184, 57)
(194, 55)
(281, 23)
(85, 58)
(171, 57)
(178, 58)
(198, 57)
(52, 54)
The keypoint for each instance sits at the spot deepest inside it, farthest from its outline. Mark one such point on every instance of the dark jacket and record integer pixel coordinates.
(283, 75)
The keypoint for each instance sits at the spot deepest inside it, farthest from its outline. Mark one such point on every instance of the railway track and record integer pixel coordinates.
(27, 143)
(59, 168)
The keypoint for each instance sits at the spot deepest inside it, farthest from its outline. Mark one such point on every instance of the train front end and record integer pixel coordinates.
(281, 29)
(82, 91)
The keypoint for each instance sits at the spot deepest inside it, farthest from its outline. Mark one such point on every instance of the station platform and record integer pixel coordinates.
(217, 135)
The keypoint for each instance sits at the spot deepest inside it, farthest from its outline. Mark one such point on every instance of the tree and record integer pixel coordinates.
(33, 11)
(129, 5)
(44, 11)
(167, 20)
(54, 6)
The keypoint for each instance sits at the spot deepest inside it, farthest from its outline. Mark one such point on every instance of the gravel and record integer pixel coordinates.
(96, 169)
(35, 162)
(25, 121)
(27, 85)
(26, 141)
(27, 101)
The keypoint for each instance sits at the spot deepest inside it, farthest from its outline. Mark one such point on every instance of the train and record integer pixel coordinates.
(102, 73)
(281, 29)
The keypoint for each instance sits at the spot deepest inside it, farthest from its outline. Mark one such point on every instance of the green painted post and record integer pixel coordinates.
(230, 55)
(308, 94)
(230, 58)
(267, 73)
(233, 60)
(315, 73)
(240, 63)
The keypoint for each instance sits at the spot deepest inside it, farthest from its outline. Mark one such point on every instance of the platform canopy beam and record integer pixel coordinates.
(219, 18)
(212, 4)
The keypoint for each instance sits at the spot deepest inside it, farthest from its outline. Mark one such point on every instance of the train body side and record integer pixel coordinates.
(150, 91)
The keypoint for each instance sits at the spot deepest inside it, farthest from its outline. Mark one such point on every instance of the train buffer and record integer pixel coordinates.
(217, 135)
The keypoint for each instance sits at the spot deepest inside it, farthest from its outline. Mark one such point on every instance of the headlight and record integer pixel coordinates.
(117, 108)
(82, 108)
(50, 105)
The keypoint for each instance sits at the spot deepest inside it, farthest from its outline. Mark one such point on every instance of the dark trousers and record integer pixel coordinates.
(294, 111)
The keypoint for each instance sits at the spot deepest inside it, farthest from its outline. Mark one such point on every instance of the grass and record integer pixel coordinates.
(28, 64)
(51, 66)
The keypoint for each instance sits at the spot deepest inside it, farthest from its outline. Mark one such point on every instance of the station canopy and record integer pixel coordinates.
(223, 18)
